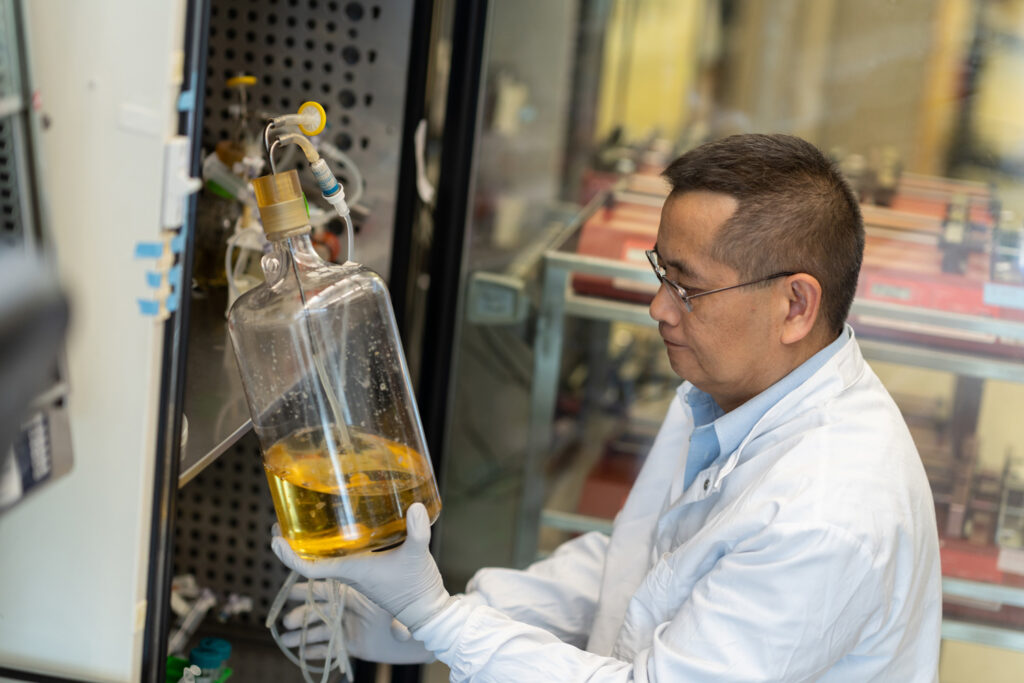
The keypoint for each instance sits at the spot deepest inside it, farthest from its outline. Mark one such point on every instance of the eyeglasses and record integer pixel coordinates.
(680, 292)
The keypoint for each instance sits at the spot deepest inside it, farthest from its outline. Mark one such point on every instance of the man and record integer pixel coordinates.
(782, 527)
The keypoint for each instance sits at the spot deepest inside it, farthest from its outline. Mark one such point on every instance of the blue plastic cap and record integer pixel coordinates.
(204, 658)
(217, 645)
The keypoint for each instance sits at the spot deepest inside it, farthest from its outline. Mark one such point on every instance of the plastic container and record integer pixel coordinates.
(210, 663)
(218, 645)
(175, 667)
(328, 390)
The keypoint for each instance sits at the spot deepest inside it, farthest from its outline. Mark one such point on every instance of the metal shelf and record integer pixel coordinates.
(983, 592)
(573, 522)
(215, 407)
(1005, 329)
(972, 365)
(993, 636)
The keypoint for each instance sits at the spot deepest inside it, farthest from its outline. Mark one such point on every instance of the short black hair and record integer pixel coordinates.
(796, 212)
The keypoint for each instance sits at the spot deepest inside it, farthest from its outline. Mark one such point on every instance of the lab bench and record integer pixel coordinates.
(561, 298)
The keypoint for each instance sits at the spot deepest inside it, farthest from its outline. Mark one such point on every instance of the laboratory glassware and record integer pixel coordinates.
(328, 391)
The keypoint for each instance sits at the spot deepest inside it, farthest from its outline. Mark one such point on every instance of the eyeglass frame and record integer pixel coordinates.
(680, 291)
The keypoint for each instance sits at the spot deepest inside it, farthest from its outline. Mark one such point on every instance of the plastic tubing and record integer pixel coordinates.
(333, 153)
(202, 605)
(304, 144)
(332, 190)
(336, 642)
(310, 118)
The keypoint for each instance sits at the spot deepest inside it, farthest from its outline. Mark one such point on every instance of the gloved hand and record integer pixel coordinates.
(404, 580)
(371, 634)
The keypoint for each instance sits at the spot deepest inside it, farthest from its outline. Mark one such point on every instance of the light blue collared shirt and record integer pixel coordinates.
(716, 432)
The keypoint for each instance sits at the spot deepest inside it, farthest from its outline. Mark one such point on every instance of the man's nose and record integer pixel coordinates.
(664, 309)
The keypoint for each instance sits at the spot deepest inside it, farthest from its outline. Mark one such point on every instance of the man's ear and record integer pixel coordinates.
(801, 308)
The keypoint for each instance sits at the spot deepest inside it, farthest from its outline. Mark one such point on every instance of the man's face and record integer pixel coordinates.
(724, 345)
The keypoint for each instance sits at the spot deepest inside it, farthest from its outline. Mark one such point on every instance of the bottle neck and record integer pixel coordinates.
(300, 248)
(293, 255)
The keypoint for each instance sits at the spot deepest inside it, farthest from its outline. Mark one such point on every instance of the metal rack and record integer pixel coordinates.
(558, 302)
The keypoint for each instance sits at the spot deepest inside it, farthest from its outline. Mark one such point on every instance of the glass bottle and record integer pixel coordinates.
(328, 390)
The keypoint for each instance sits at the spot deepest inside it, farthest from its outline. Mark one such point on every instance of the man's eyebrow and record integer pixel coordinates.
(685, 271)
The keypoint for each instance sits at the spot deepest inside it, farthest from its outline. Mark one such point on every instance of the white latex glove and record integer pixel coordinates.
(371, 634)
(404, 581)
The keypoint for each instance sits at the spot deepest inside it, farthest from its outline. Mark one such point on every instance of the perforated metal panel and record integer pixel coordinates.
(15, 228)
(222, 534)
(12, 218)
(351, 56)
(222, 537)
(10, 74)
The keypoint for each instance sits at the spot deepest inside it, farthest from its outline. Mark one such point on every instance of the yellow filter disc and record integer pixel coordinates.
(309, 108)
(241, 80)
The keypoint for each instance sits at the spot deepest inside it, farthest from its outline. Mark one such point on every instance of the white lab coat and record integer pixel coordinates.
(809, 553)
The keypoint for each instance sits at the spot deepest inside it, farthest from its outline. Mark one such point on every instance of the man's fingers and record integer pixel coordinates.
(399, 632)
(314, 652)
(284, 552)
(417, 524)
(314, 634)
(318, 652)
(321, 590)
(341, 568)
(299, 591)
(302, 614)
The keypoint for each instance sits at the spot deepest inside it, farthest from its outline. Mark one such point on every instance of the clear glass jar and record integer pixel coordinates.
(329, 392)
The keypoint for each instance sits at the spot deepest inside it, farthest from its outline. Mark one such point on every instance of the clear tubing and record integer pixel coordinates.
(332, 152)
(308, 117)
(313, 157)
(202, 605)
(349, 240)
(287, 159)
(266, 136)
(304, 144)
(333, 403)
(273, 166)
(332, 618)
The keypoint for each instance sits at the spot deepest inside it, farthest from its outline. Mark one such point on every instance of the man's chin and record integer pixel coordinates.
(683, 367)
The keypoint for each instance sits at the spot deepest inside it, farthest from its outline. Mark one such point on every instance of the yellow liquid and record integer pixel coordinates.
(349, 502)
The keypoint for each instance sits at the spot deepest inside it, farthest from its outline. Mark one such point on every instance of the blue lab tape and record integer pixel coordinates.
(1004, 296)
(331, 192)
(149, 306)
(149, 250)
(187, 100)
(153, 279)
(172, 302)
(178, 243)
(174, 275)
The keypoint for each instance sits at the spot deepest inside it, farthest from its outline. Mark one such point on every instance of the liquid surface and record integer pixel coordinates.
(331, 503)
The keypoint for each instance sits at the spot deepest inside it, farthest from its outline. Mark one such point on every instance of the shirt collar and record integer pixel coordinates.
(732, 427)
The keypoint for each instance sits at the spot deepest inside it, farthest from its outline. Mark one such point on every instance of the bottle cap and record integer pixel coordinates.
(281, 204)
(216, 645)
(205, 659)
